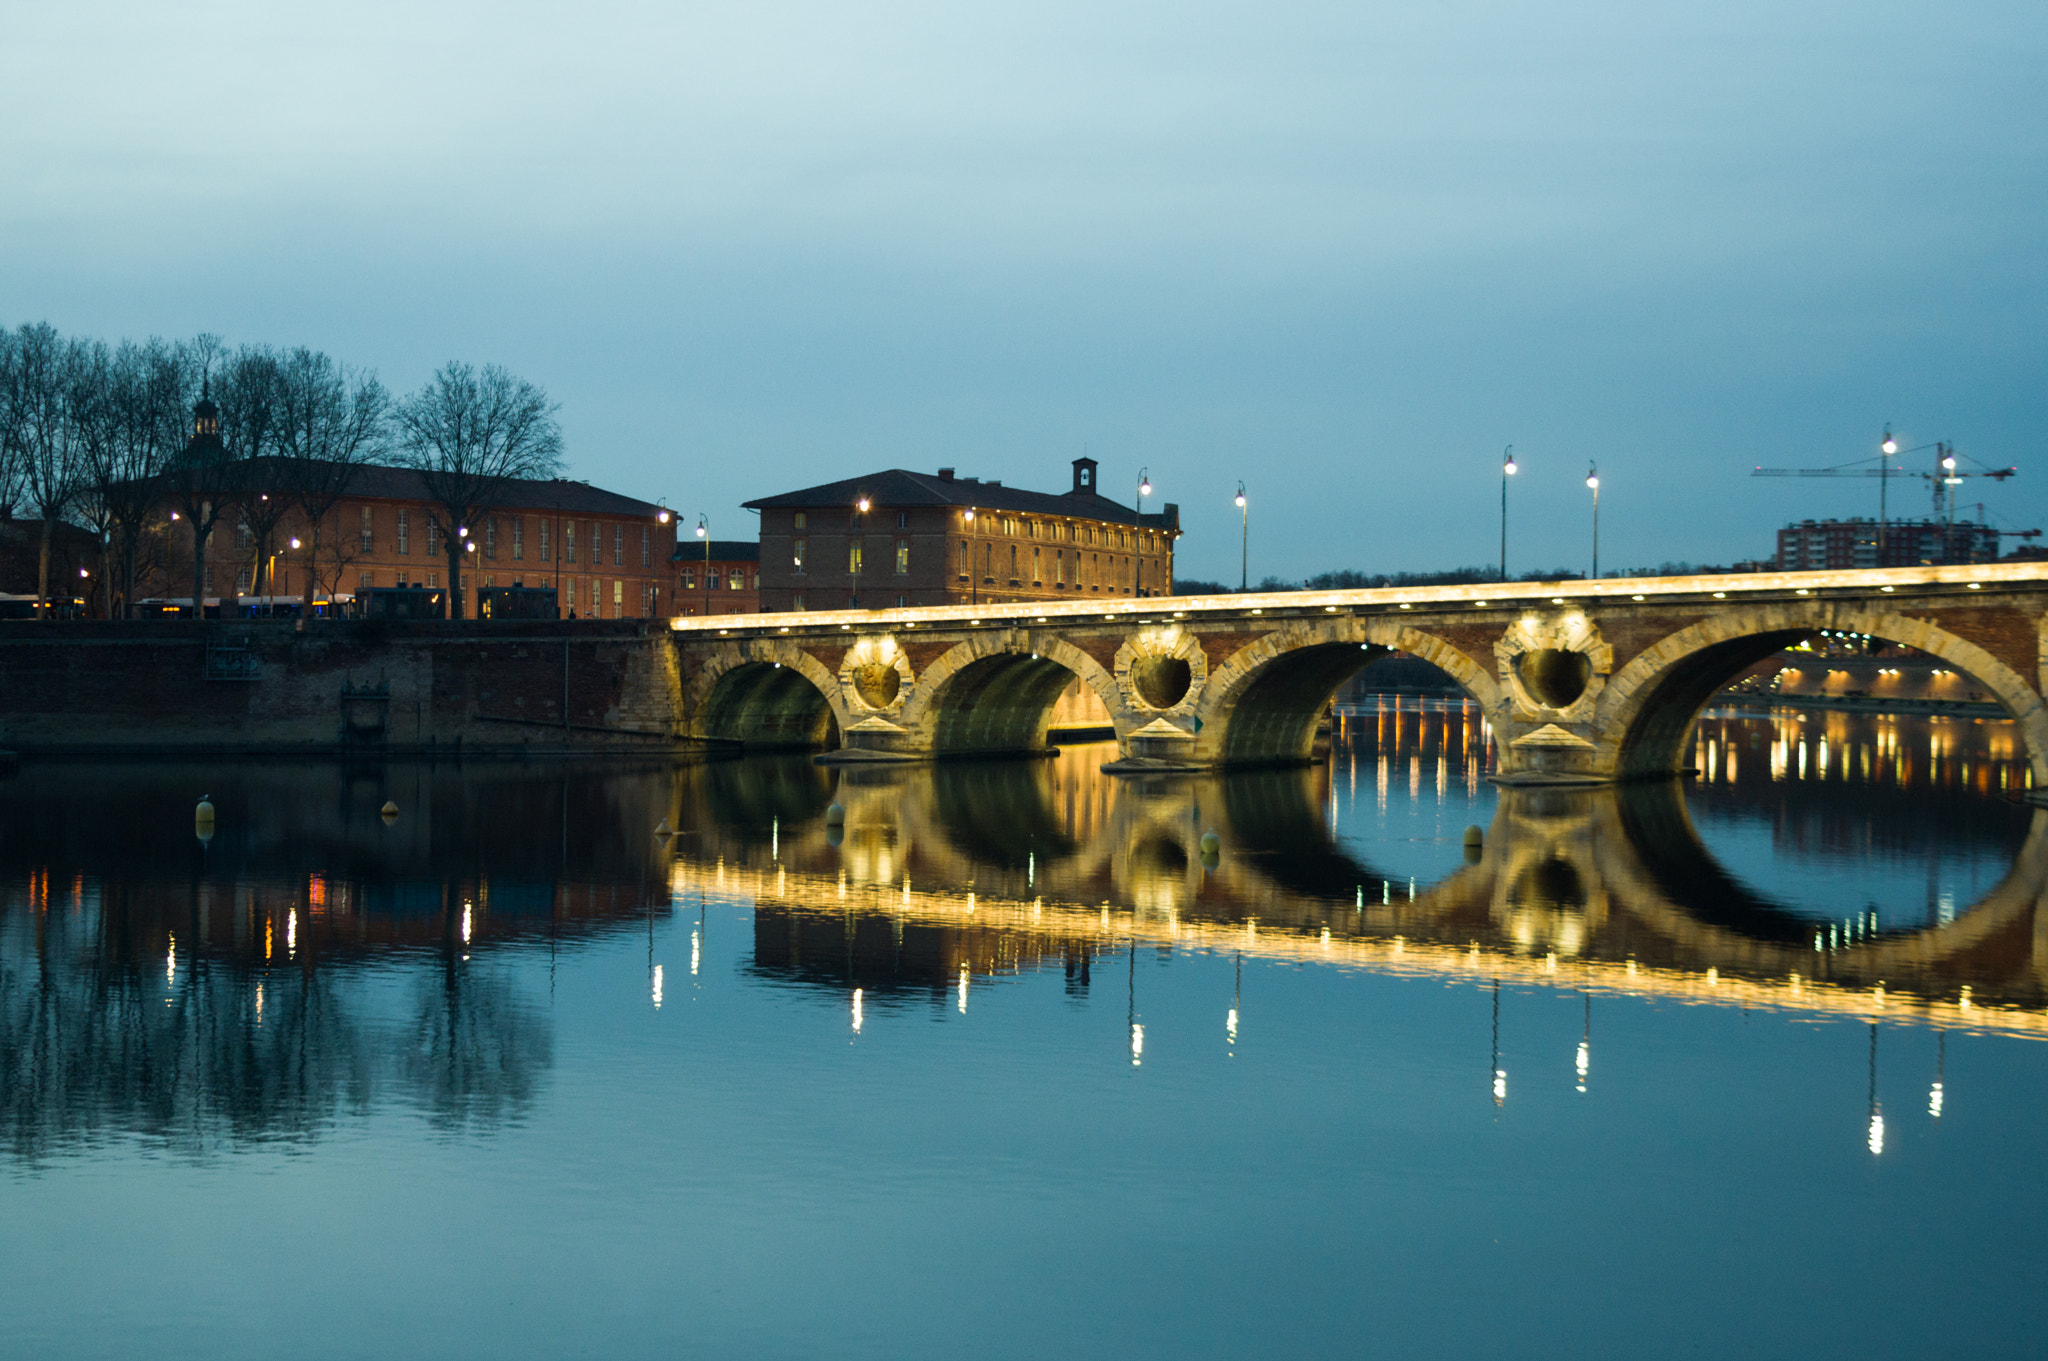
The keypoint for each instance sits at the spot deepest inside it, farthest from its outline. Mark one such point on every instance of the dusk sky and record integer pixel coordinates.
(1343, 252)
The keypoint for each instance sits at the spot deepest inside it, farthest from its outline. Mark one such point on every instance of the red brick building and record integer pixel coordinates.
(724, 580)
(606, 556)
(904, 538)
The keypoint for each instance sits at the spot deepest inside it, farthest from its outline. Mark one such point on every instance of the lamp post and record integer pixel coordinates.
(855, 550)
(704, 533)
(1244, 541)
(1593, 481)
(973, 578)
(1144, 490)
(1507, 470)
(1885, 449)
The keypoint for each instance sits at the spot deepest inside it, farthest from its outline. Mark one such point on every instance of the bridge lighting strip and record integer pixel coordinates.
(1489, 595)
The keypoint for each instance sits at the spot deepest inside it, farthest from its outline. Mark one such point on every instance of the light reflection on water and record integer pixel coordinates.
(646, 1077)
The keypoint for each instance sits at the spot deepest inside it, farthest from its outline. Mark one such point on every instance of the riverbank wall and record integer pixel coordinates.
(338, 687)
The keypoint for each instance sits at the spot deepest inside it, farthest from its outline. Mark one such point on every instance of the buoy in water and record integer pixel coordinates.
(1474, 837)
(1210, 860)
(389, 811)
(1212, 844)
(835, 816)
(834, 834)
(662, 829)
(204, 812)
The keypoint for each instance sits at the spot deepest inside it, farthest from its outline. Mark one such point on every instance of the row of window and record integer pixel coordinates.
(856, 556)
(731, 579)
(509, 532)
(1014, 526)
(1082, 572)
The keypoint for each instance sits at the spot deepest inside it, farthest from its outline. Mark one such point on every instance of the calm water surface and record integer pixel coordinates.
(1008, 1066)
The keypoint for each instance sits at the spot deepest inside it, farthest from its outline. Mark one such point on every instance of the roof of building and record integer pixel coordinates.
(898, 487)
(559, 494)
(722, 550)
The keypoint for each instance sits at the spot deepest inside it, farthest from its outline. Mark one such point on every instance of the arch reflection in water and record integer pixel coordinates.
(1003, 869)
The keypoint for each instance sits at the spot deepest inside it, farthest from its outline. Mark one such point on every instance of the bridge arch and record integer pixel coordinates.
(1648, 709)
(1261, 707)
(995, 693)
(766, 693)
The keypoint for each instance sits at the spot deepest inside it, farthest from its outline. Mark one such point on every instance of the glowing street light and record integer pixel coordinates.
(704, 533)
(1507, 470)
(1244, 545)
(1886, 448)
(1593, 481)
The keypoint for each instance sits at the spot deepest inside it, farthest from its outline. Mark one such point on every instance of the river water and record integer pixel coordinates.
(1008, 1065)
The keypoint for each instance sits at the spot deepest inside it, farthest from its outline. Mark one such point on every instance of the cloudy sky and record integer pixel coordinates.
(1343, 252)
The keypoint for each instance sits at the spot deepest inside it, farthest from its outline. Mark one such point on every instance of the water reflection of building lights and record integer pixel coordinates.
(1500, 1074)
(1584, 1060)
(1934, 1093)
(466, 922)
(1876, 1134)
(655, 987)
(171, 961)
(856, 1011)
(696, 950)
(291, 934)
(963, 989)
(1236, 996)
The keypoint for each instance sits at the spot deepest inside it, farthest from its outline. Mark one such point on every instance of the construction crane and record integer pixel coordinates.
(1943, 480)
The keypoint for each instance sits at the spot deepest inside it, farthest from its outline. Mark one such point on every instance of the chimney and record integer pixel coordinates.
(945, 474)
(1084, 477)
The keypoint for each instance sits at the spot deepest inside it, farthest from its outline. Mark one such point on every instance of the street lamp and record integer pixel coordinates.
(1593, 481)
(974, 581)
(1507, 470)
(1144, 488)
(1244, 541)
(1885, 449)
(855, 548)
(704, 533)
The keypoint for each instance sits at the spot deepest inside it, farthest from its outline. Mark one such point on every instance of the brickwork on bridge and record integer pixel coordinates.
(1580, 681)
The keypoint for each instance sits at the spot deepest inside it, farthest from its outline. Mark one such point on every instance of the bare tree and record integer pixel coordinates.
(250, 426)
(331, 421)
(13, 415)
(468, 433)
(201, 479)
(135, 413)
(45, 432)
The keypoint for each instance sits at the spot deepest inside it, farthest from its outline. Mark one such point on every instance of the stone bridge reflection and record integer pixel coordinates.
(1002, 867)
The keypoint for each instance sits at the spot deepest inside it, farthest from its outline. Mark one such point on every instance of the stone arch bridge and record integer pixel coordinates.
(1581, 681)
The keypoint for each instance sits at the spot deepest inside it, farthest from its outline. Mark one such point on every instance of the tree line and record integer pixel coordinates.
(106, 437)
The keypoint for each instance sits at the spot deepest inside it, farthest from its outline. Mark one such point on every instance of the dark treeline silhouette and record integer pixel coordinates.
(150, 446)
(1348, 580)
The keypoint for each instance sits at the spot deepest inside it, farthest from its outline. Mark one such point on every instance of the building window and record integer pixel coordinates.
(618, 545)
(244, 536)
(802, 521)
(853, 557)
(710, 578)
(433, 580)
(903, 519)
(491, 537)
(242, 582)
(646, 546)
(433, 537)
(1013, 564)
(1059, 566)
(902, 557)
(737, 579)
(368, 581)
(596, 544)
(688, 580)
(1037, 576)
(901, 601)
(619, 595)
(966, 562)
(569, 541)
(796, 602)
(369, 532)
(544, 541)
(797, 557)
(596, 598)
(519, 538)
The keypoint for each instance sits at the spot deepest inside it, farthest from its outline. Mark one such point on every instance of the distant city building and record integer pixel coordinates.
(1823, 545)
(902, 538)
(727, 582)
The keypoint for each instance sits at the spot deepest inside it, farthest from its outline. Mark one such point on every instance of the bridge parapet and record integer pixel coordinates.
(1579, 681)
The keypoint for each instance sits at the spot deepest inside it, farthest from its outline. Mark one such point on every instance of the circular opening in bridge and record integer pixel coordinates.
(877, 684)
(1162, 682)
(1554, 677)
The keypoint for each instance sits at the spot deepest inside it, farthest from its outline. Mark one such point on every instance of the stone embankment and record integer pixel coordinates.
(337, 687)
